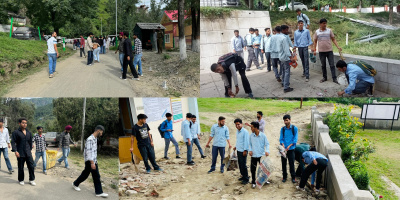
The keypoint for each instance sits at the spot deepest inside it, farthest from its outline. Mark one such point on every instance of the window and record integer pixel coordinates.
(167, 40)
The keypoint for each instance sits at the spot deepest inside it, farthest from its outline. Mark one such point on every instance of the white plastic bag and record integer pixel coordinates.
(264, 171)
(233, 162)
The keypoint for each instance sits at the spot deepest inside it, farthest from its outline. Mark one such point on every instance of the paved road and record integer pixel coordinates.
(47, 186)
(75, 79)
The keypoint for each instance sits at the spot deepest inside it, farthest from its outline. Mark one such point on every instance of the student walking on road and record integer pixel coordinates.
(65, 141)
(324, 37)
(120, 49)
(90, 49)
(302, 39)
(21, 143)
(220, 134)
(52, 54)
(238, 44)
(285, 56)
(303, 17)
(194, 129)
(249, 42)
(82, 46)
(91, 167)
(288, 139)
(265, 47)
(187, 138)
(137, 60)
(128, 58)
(4, 143)
(141, 132)
(167, 128)
(40, 141)
(96, 49)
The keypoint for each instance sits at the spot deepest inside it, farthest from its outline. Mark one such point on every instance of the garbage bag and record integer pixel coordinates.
(233, 162)
(264, 170)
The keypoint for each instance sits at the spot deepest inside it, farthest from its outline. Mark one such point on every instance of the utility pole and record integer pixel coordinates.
(83, 123)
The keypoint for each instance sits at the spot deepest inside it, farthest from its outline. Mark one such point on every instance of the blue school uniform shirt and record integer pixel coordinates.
(289, 138)
(258, 144)
(165, 126)
(309, 156)
(220, 135)
(242, 140)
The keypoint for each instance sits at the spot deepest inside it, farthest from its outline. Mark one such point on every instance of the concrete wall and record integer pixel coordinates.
(388, 78)
(340, 185)
(216, 34)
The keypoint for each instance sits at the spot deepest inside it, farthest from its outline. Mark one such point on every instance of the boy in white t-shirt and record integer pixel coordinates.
(52, 53)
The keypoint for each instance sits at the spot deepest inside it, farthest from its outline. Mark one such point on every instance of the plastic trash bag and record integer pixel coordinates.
(282, 151)
(233, 162)
(264, 171)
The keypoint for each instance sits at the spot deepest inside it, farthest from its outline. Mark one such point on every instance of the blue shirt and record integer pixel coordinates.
(237, 43)
(220, 135)
(257, 39)
(289, 40)
(194, 130)
(356, 73)
(289, 138)
(242, 140)
(165, 126)
(248, 39)
(185, 131)
(258, 144)
(274, 46)
(309, 156)
(283, 48)
(265, 43)
(304, 18)
(302, 38)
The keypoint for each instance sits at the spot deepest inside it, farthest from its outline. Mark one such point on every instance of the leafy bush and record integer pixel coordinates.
(167, 56)
(359, 173)
(215, 12)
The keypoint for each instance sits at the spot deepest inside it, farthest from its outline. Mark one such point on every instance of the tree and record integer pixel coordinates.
(14, 109)
(181, 27)
(195, 15)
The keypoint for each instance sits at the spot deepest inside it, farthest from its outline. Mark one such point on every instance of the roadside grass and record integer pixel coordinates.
(385, 161)
(383, 48)
(204, 128)
(308, 132)
(267, 106)
(108, 165)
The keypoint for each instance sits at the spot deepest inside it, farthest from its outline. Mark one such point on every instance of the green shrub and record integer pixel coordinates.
(359, 173)
(215, 12)
(167, 56)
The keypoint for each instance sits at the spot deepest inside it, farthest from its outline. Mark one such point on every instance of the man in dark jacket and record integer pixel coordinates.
(128, 58)
(101, 43)
(228, 68)
(21, 143)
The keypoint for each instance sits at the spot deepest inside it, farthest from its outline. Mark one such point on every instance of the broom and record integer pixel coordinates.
(135, 161)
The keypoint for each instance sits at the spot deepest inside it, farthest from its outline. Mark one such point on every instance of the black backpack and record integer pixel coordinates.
(226, 57)
(283, 132)
(159, 130)
(304, 19)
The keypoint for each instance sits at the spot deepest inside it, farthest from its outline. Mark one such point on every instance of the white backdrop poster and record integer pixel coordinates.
(156, 108)
(380, 111)
(177, 109)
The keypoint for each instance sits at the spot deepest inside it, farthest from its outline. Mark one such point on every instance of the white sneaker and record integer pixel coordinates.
(135, 79)
(141, 75)
(76, 188)
(122, 78)
(32, 183)
(253, 186)
(21, 183)
(102, 195)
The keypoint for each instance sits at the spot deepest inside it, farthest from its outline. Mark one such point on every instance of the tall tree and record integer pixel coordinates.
(195, 15)
(181, 27)
(14, 109)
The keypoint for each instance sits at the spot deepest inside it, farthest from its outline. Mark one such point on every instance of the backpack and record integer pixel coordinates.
(159, 130)
(368, 69)
(304, 19)
(283, 132)
(226, 57)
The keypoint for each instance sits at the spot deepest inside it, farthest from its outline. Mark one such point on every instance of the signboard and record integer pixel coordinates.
(380, 112)
(176, 104)
(156, 108)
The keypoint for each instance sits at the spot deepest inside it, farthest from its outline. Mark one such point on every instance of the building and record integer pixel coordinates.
(155, 109)
(145, 32)
(170, 21)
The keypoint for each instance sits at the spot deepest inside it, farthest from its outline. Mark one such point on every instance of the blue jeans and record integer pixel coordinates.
(257, 52)
(5, 153)
(197, 143)
(96, 54)
(285, 74)
(268, 57)
(37, 156)
(121, 60)
(64, 157)
(103, 48)
(90, 57)
(138, 61)
(189, 151)
(361, 87)
(214, 153)
(167, 141)
(52, 62)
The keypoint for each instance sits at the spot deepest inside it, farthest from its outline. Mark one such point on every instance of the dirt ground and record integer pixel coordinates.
(180, 181)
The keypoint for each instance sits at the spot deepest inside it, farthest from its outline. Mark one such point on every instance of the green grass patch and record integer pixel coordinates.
(215, 12)
(267, 106)
(204, 128)
(113, 48)
(383, 48)
(385, 161)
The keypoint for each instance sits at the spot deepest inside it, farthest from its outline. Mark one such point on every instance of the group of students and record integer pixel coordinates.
(279, 49)
(129, 57)
(23, 141)
(255, 145)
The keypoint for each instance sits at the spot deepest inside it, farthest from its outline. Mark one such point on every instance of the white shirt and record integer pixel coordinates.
(50, 45)
(4, 138)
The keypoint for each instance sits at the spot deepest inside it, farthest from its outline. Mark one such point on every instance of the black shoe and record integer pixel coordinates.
(203, 156)
(244, 182)
(248, 70)
(222, 171)
(240, 179)
(190, 163)
(284, 180)
(335, 81)
(178, 157)
(269, 70)
(288, 90)
(250, 95)
(279, 80)
(294, 180)
(167, 158)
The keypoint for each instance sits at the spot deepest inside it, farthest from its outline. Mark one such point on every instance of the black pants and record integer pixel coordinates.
(253, 168)
(275, 62)
(242, 166)
(82, 51)
(268, 57)
(89, 57)
(245, 81)
(95, 175)
(300, 168)
(322, 57)
(311, 168)
(29, 164)
(125, 67)
(290, 157)
(147, 153)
